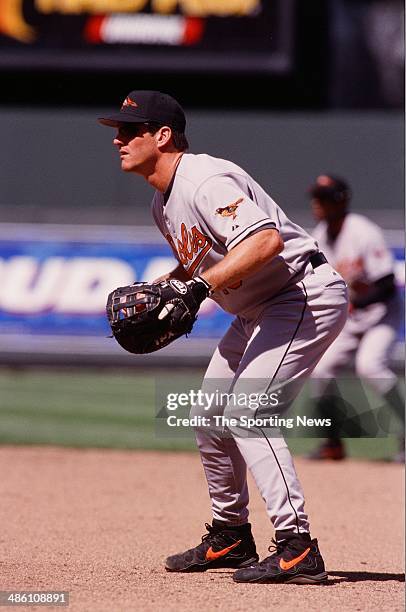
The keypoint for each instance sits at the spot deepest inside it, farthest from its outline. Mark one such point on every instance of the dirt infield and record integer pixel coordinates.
(100, 523)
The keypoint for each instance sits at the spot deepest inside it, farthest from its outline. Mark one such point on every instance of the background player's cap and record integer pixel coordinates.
(148, 106)
(331, 188)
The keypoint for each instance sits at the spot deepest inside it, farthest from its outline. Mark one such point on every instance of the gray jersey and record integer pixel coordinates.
(359, 252)
(212, 206)
(360, 255)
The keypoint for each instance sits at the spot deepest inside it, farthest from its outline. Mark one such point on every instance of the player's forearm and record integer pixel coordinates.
(179, 273)
(247, 258)
(380, 291)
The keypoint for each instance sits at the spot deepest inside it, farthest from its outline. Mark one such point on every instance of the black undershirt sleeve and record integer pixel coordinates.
(381, 291)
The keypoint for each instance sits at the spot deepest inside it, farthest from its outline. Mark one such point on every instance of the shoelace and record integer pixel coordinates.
(276, 548)
(213, 535)
(210, 530)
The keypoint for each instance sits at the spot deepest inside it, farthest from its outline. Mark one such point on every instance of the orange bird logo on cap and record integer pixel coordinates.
(129, 102)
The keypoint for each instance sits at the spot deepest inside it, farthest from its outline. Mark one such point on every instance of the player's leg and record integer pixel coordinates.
(284, 348)
(229, 541)
(225, 468)
(373, 364)
(274, 360)
(373, 357)
(338, 357)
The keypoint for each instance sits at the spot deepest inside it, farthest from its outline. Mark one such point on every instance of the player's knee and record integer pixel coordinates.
(379, 376)
(325, 370)
(368, 368)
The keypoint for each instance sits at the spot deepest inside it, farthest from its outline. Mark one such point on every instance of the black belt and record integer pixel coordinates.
(317, 259)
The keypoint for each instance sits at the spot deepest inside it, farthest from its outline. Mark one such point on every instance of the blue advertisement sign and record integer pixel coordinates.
(60, 287)
(55, 284)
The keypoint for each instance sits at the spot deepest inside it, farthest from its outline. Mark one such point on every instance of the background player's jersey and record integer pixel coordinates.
(359, 254)
(213, 205)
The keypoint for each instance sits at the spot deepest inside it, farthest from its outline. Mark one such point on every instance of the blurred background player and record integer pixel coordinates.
(355, 246)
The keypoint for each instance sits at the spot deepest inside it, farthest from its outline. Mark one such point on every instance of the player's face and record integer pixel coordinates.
(323, 210)
(137, 148)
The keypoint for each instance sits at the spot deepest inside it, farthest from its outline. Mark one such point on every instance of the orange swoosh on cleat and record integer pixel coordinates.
(285, 565)
(212, 556)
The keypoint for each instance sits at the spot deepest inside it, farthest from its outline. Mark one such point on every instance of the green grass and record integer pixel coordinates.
(107, 409)
(81, 409)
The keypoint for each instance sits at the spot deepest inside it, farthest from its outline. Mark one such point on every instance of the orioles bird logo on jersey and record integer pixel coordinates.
(230, 210)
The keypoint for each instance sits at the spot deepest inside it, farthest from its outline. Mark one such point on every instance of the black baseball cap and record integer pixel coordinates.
(148, 106)
(331, 188)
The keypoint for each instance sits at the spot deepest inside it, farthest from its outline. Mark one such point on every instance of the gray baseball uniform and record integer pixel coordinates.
(361, 256)
(287, 315)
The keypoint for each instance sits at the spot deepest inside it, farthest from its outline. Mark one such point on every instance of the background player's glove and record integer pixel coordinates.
(146, 317)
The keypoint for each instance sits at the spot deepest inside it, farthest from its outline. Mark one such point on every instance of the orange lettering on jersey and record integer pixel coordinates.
(191, 247)
(185, 245)
(199, 240)
(196, 263)
(172, 245)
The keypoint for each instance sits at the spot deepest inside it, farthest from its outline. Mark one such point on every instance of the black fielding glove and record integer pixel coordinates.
(200, 288)
(146, 317)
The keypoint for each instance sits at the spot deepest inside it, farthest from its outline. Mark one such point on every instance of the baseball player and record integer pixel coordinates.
(356, 248)
(231, 238)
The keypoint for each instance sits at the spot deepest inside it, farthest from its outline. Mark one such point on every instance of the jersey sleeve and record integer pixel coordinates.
(227, 209)
(377, 258)
(319, 234)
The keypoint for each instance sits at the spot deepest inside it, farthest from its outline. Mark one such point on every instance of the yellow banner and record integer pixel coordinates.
(196, 8)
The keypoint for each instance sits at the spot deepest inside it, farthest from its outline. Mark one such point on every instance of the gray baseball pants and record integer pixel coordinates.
(279, 348)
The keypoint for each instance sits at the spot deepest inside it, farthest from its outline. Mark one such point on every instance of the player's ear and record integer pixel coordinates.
(163, 135)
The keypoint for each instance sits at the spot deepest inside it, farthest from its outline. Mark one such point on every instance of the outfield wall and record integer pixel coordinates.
(60, 165)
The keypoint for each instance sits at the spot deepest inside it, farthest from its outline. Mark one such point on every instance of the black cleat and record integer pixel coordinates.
(330, 450)
(295, 559)
(223, 546)
(400, 456)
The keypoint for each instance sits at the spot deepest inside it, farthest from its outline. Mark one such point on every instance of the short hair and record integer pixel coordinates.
(331, 189)
(179, 139)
